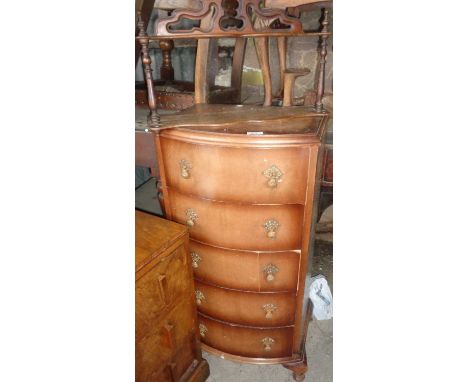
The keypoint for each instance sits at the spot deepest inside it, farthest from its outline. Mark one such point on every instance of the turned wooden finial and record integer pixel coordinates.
(141, 25)
(153, 117)
(323, 55)
(290, 76)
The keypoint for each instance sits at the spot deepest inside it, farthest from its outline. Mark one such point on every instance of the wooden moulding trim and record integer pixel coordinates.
(253, 361)
(244, 326)
(297, 251)
(291, 292)
(236, 140)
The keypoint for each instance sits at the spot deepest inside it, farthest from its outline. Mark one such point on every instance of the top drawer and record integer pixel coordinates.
(253, 175)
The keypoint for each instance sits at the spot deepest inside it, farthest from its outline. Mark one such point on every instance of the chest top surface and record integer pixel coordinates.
(245, 124)
(152, 236)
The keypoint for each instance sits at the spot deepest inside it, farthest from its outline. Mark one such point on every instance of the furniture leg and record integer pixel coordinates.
(299, 368)
(282, 51)
(237, 66)
(261, 45)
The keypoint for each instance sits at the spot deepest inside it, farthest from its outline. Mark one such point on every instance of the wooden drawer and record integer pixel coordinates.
(239, 226)
(172, 332)
(236, 174)
(160, 287)
(246, 341)
(250, 271)
(246, 308)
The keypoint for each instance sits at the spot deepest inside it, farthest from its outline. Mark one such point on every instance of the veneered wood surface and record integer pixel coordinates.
(166, 337)
(156, 349)
(234, 227)
(239, 226)
(236, 174)
(152, 236)
(246, 308)
(247, 341)
(161, 287)
(244, 270)
(240, 119)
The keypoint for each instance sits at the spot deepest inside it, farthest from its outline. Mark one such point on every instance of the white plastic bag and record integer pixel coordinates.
(321, 297)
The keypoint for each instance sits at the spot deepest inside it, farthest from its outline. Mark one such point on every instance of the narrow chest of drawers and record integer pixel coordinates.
(167, 333)
(247, 191)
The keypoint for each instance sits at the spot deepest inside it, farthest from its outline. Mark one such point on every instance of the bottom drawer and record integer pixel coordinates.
(246, 341)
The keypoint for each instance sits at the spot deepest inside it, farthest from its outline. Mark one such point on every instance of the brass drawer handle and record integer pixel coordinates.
(195, 259)
(271, 226)
(185, 167)
(203, 330)
(274, 175)
(269, 309)
(267, 342)
(199, 296)
(191, 217)
(270, 271)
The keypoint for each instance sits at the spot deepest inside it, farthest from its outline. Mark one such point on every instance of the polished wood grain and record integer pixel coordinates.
(162, 286)
(245, 270)
(243, 308)
(233, 125)
(167, 341)
(152, 238)
(242, 169)
(238, 226)
(166, 337)
(233, 231)
(246, 341)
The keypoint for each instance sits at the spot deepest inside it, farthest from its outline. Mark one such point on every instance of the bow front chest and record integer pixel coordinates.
(244, 180)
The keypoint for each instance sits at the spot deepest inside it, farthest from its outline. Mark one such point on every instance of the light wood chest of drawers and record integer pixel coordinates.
(245, 181)
(167, 333)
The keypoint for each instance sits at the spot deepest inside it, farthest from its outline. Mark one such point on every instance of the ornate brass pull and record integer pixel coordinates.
(267, 342)
(274, 175)
(185, 167)
(191, 217)
(269, 309)
(203, 330)
(271, 226)
(270, 271)
(195, 259)
(199, 296)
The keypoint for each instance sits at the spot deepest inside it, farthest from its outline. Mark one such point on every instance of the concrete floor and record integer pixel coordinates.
(319, 344)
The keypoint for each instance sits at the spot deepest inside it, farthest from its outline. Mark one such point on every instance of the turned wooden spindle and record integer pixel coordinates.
(323, 55)
(290, 76)
(166, 71)
(153, 119)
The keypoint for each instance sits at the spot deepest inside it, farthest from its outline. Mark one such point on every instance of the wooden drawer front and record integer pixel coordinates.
(250, 271)
(236, 174)
(239, 226)
(157, 289)
(246, 341)
(246, 308)
(167, 335)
